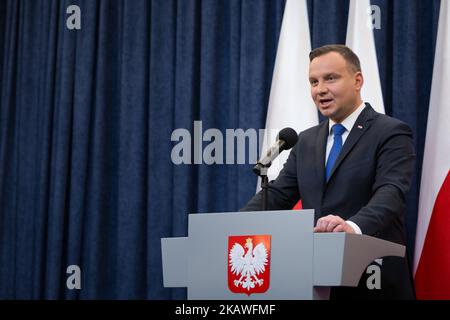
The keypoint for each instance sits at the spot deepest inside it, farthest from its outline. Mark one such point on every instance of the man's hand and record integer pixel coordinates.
(332, 223)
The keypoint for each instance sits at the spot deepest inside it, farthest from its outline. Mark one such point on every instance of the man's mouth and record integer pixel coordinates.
(325, 102)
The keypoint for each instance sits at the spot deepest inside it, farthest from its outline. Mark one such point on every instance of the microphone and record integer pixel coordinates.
(286, 139)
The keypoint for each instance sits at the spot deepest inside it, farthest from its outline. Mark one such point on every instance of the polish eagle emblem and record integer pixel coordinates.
(248, 265)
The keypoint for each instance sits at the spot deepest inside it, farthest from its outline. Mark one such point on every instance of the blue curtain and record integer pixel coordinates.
(86, 118)
(86, 123)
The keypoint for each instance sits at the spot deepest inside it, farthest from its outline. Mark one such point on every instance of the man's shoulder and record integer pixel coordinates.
(380, 119)
(389, 124)
(313, 131)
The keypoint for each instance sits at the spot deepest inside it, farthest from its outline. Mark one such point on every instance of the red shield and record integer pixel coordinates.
(249, 263)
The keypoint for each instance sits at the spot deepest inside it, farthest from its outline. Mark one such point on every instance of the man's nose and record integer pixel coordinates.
(321, 88)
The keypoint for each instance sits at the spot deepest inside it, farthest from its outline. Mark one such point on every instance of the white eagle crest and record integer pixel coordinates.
(248, 264)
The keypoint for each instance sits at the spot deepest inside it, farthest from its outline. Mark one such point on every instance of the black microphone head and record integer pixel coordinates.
(289, 136)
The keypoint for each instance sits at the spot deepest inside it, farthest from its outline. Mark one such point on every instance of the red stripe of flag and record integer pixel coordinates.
(432, 277)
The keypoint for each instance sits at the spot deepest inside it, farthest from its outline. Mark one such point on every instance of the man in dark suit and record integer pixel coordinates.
(354, 169)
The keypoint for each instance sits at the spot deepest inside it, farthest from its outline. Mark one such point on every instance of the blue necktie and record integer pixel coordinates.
(338, 130)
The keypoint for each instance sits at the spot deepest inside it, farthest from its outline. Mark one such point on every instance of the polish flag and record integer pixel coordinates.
(432, 249)
(361, 40)
(290, 103)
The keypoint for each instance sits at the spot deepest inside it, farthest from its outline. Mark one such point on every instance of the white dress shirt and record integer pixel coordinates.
(348, 124)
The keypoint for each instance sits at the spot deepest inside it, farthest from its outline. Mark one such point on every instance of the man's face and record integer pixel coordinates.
(335, 89)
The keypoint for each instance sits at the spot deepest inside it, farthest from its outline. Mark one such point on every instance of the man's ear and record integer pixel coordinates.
(359, 80)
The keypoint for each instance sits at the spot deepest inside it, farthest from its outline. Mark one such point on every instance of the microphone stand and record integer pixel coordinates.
(264, 185)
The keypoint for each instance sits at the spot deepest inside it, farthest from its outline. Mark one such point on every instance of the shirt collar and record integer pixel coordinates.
(350, 120)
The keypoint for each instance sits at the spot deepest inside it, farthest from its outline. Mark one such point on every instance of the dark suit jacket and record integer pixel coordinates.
(368, 186)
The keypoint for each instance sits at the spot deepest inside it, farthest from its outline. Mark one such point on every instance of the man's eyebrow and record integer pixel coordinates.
(324, 76)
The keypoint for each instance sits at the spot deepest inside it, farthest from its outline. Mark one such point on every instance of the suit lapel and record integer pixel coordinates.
(361, 125)
(321, 145)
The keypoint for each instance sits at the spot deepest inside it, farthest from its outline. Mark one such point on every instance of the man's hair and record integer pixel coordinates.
(350, 57)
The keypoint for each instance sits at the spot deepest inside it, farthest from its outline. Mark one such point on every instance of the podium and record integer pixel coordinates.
(303, 265)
